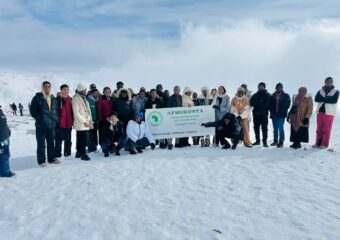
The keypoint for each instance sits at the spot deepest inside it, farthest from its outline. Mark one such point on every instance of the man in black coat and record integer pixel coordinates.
(279, 104)
(175, 100)
(113, 132)
(123, 106)
(44, 109)
(231, 128)
(260, 103)
(5, 134)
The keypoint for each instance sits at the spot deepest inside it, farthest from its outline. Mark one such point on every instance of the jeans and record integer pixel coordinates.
(106, 144)
(4, 160)
(43, 136)
(278, 129)
(63, 134)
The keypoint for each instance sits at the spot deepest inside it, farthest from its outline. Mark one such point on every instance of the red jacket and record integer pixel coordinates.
(104, 108)
(65, 112)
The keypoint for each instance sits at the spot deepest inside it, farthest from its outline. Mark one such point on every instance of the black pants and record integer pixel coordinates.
(82, 139)
(43, 136)
(261, 121)
(144, 143)
(63, 134)
(93, 138)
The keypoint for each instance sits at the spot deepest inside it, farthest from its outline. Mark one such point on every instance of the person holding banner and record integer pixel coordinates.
(205, 99)
(221, 104)
(175, 101)
(186, 102)
(139, 135)
(228, 127)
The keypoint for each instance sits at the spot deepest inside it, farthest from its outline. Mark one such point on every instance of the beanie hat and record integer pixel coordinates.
(262, 84)
(114, 113)
(81, 87)
(140, 114)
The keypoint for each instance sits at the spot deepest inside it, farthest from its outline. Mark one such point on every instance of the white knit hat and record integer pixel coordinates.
(81, 87)
(187, 89)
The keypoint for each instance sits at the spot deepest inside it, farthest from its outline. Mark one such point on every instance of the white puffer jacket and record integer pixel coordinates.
(330, 108)
(136, 131)
(81, 113)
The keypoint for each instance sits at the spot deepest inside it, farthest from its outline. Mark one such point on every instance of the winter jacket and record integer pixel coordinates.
(232, 130)
(104, 108)
(81, 113)
(284, 104)
(44, 116)
(113, 131)
(223, 105)
(65, 112)
(204, 100)
(123, 106)
(327, 102)
(172, 101)
(157, 103)
(138, 104)
(93, 105)
(187, 101)
(260, 103)
(240, 107)
(136, 131)
(5, 132)
(305, 109)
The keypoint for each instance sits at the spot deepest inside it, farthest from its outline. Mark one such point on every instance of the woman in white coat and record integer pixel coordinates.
(82, 120)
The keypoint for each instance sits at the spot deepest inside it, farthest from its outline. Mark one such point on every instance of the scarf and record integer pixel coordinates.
(297, 104)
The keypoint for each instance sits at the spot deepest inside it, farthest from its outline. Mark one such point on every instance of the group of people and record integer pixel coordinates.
(14, 109)
(114, 120)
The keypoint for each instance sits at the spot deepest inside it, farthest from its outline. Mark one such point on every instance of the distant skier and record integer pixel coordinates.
(5, 134)
(21, 109)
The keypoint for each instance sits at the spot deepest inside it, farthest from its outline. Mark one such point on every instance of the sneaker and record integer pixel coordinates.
(280, 145)
(248, 146)
(8, 174)
(265, 144)
(256, 143)
(274, 144)
(43, 165)
(323, 147)
(316, 146)
(170, 146)
(132, 151)
(85, 158)
(297, 146)
(55, 161)
(226, 146)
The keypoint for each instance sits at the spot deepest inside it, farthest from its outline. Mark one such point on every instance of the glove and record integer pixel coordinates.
(153, 146)
(216, 107)
(305, 121)
(203, 125)
(139, 142)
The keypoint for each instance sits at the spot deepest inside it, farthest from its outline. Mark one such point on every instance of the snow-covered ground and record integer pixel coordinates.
(191, 193)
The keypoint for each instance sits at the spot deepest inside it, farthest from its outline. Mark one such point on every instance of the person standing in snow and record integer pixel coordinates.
(65, 123)
(123, 106)
(119, 86)
(14, 108)
(104, 109)
(174, 101)
(21, 109)
(113, 132)
(44, 109)
(279, 104)
(299, 116)
(139, 135)
(82, 121)
(228, 127)
(205, 99)
(186, 102)
(5, 134)
(260, 103)
(93, 133)
(138, 102)
(247, 91)
(327, 99)
(221, 104)
(241, 109)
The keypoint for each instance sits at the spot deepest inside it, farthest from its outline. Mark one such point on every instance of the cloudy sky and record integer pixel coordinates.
(183, 42)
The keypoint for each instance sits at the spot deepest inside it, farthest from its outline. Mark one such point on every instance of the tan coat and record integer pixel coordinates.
(240, 107)
(306, 109)
(81, 113)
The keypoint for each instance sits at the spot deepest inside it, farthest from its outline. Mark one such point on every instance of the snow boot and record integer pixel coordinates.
(85, 158)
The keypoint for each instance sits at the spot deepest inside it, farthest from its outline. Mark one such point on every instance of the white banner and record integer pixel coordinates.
(180, 122)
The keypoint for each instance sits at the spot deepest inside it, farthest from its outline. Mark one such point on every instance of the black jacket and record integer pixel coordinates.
(233, 130)
(113, 132)
(260, 103)
(284, 104)
(158, 101)
(44, 117)
(172, 101)
(123, 107)
(5, 133)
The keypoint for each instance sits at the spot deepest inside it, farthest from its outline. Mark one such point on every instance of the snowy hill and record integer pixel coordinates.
(190, 193)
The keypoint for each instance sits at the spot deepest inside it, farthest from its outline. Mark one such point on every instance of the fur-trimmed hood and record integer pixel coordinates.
(128, 93)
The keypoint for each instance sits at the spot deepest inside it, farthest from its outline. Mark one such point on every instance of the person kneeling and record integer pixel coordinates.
(112, 132)
(139, 135)
(228, 127)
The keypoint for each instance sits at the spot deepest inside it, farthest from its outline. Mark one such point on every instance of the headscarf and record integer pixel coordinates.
(297, 103)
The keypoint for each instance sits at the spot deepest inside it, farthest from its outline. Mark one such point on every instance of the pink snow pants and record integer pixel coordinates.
(324, 128)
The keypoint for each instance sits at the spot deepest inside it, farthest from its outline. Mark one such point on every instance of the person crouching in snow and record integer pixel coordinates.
(138, 134)
(112, 132)
(5, 134)
(228, 127)
(299, 116)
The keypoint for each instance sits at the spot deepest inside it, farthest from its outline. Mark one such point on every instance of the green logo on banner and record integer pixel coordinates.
(155, 119)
